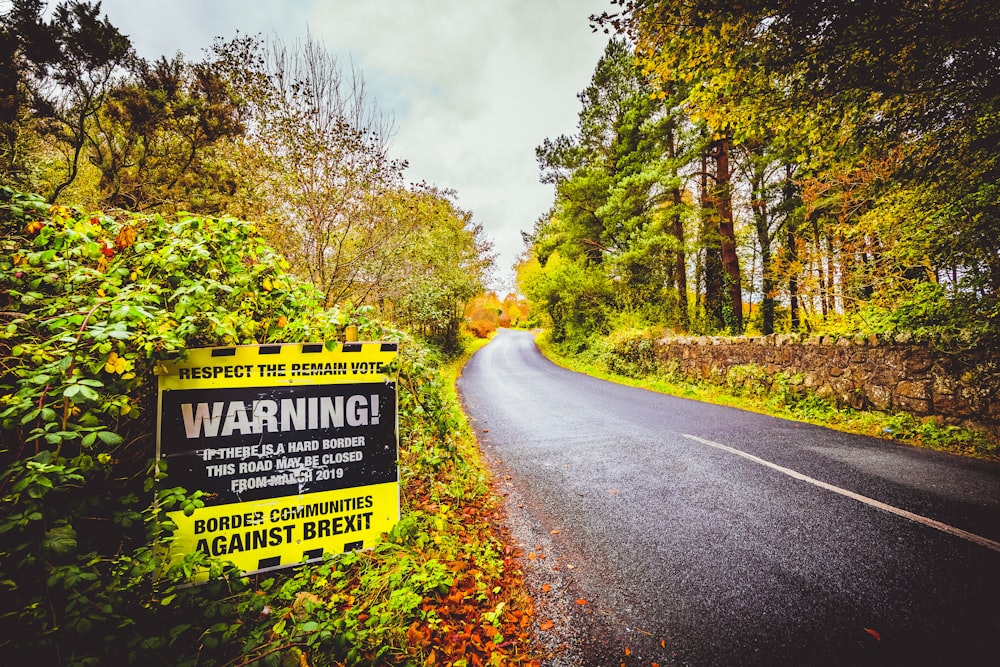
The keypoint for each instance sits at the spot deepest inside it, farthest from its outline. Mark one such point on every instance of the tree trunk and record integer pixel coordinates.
(788, 195)
(713, 258)
(680, 265)
(727, 232)
(759, 207)
(820, 272)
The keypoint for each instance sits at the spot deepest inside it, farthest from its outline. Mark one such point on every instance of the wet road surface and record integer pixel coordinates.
(662, 530)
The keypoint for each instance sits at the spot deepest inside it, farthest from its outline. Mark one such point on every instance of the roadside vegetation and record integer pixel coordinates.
(91, 303)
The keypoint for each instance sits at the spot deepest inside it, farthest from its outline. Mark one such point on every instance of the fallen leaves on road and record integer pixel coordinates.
(546, 625)
(581, 601)
(874, 633)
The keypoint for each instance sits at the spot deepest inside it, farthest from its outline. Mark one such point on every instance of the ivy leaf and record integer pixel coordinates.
(60, 540)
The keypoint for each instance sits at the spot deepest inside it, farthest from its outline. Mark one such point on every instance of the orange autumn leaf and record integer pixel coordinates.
(125, 237)
(546, 625)
(874, 633)
(628, 651)
(581, 601)
(546, 588)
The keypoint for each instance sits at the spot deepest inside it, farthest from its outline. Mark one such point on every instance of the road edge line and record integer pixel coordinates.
(923, 520)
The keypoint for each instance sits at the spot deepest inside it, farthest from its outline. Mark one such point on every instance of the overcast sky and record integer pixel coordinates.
(473, 85)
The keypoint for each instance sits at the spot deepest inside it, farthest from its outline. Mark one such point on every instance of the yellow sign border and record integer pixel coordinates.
(309, 526)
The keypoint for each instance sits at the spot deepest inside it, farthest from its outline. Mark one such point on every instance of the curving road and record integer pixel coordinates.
(662, 530)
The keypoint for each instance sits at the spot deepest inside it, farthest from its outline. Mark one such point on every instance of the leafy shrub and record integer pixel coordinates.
(632, 352)
(929, 433)
(89, 305)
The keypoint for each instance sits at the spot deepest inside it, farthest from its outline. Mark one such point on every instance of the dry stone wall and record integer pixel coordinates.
(858, 372)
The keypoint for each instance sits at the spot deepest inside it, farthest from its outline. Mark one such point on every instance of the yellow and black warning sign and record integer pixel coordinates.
(295, 445)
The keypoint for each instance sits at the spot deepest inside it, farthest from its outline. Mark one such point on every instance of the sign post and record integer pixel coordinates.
(295, 445)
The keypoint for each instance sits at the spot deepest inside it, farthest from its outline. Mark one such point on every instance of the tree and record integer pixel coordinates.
(154, 140)
(618, 191)
(445, 263)
(62, 72)
(317, 150)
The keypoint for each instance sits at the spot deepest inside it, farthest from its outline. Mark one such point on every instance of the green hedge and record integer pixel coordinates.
(89, 305)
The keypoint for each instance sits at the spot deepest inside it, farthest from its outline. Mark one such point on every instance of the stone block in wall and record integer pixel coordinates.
(913, 405)
(952, 405)
(845, 393)
(948, 396)
(913, 397)
(918, 390)
(917, 362)
(879, 396)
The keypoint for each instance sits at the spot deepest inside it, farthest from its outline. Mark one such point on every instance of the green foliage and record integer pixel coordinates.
(930, 434)
(631, 352)
(443, 266)
(576, 297)
(617, 218)
(90, 304)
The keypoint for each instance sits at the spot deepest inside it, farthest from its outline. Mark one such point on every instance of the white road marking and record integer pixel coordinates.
(951, 530)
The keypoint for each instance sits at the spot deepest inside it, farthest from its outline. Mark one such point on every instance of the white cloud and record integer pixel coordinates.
(474, 86)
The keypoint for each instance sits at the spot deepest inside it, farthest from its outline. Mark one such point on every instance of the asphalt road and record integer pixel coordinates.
(650, 535)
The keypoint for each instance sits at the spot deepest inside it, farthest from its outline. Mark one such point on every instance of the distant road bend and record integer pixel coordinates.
(662, 530)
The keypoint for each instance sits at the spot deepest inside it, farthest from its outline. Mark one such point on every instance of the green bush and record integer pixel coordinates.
(90, 304)
(632, 352)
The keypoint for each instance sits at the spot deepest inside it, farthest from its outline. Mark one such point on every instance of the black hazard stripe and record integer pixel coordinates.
(265, 563)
